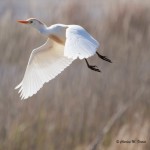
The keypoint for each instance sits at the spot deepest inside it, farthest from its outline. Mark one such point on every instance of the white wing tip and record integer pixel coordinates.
(22, 96)
(18, 86)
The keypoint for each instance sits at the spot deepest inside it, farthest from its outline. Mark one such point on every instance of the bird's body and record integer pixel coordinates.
(56, 32)
(65, 44)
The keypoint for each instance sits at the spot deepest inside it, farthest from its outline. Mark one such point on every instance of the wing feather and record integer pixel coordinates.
(79, 43)
(45, 63)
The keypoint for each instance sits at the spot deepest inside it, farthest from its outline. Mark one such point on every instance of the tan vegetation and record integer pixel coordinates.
(68, 112)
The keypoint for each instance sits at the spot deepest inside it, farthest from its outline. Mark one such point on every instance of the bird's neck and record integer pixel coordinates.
(42, 29)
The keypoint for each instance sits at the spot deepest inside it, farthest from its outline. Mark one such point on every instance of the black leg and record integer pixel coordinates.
(103, 57)
(94, 68)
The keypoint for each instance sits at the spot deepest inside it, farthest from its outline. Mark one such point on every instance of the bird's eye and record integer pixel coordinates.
(31, 21)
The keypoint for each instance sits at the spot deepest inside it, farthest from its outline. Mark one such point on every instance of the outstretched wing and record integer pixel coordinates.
(45, 63)
(79, 43)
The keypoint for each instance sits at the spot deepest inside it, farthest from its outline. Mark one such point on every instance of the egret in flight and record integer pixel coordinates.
(65, 43)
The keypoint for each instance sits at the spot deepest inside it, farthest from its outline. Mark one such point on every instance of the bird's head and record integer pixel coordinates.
(34, 23)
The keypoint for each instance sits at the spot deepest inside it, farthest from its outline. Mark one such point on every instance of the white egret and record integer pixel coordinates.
(65, 44)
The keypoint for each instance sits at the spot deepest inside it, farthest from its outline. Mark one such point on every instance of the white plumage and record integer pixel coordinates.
(79, 43)
(65, 44)
(45, 63)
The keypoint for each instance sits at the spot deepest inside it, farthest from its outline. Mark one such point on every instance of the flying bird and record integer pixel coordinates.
(65, 43)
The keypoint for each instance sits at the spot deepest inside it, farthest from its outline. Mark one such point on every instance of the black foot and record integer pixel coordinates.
(95, 68)
(104, 57)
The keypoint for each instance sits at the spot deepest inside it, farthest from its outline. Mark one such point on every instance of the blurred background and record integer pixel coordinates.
(68, 112)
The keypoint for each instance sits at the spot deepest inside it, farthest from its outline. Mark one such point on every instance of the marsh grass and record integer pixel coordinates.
(69, 111)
